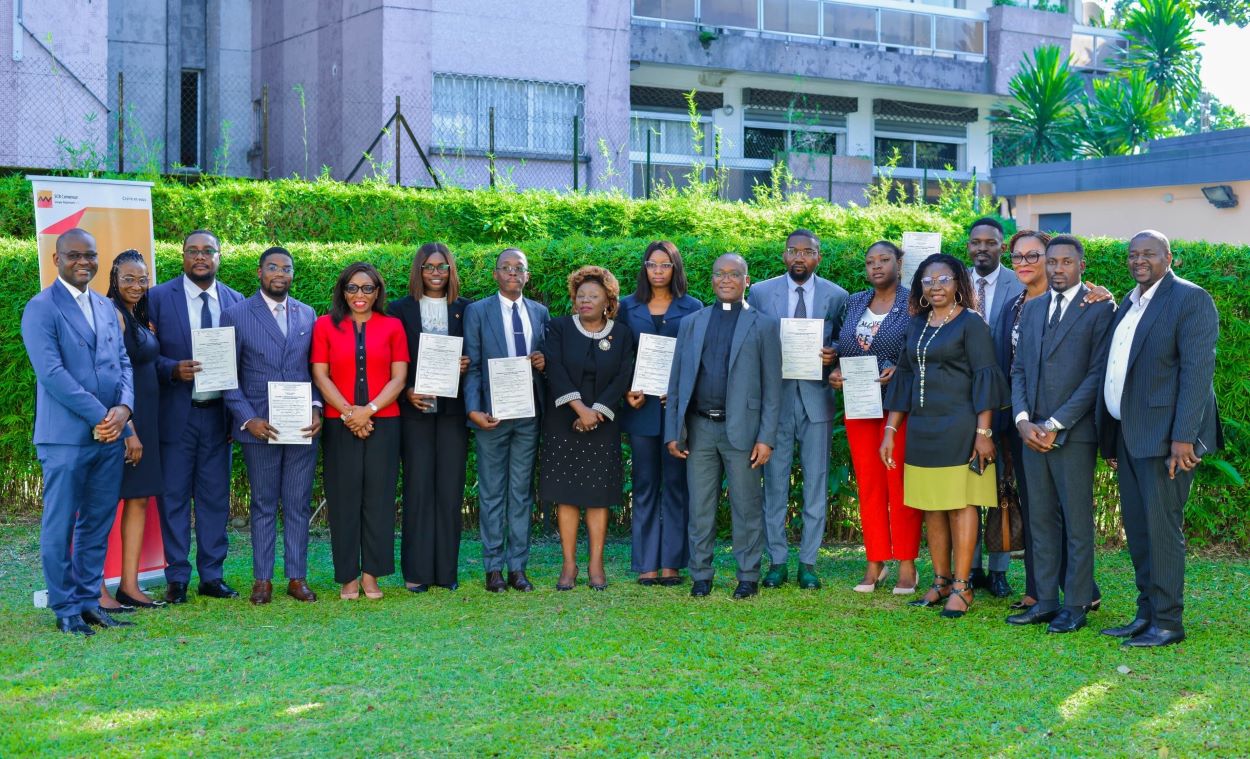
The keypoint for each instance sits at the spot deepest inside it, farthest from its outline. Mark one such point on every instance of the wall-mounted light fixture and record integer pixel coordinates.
(1220, 196)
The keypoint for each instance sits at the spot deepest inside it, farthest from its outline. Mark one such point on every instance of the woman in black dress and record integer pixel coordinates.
(947, 386)
(141, 478)
(434, 440)
(590, 364)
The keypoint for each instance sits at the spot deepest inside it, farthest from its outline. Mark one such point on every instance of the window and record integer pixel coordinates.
(918, 154)
(530, 117)
(766, 141)
(190, 145)
(670, 135)
(1055, 223)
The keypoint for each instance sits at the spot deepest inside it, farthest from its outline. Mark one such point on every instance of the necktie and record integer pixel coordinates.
(800, 310)
(206, 315)
(1058, 314)
(84, 303)
(981, 283)
(279, 313)
(518, 331)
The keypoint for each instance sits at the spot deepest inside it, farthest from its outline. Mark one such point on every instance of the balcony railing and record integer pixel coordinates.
(1096, 49)
(888, 24)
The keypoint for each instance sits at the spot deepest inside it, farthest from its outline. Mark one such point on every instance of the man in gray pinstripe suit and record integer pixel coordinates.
(273, 335)
(1158, 418)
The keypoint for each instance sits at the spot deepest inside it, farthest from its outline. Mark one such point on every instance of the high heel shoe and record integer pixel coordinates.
(939, 586)
(900, 590)
(868, 587)
(373, 595)
(963, 594)
(350, 595)
(125, 599)
(570, 584)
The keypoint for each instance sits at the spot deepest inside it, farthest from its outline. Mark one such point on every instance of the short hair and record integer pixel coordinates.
(801, 232)
(276, 250)
(679, 286)
(416, 285)
(987, 221)
(964, 295)
(516, 251)
(1025, 234)
(604, 278)
(208, 232)
(130, 256)
(896, 250)
(338, 300)
(1157, 236)
(70, 234)
(1058, 240)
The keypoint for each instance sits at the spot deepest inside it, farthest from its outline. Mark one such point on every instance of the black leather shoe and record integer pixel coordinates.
(123, 609)
(648, 582)
(495, 583)
(452, 586)
(1069, 620)
(74, 625)
(1135, 627)
(518, 581)
(176, 593)
(670, 582)
(217, 589)
(979, 579)
(1153, 637)
(125, 598)
(101, 618)
(746, 589)
(418, 587)
(1032, 616)
(701, 588)
(998, 585)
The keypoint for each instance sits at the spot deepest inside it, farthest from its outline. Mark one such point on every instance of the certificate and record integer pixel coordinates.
(438, 365)
(917, 246)
(214, 349)
(511, 388)
(290, 411)
(653, 364)
(801, 341)
(861, 387)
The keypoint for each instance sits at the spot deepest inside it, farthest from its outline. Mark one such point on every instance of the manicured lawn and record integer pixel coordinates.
(630, 671)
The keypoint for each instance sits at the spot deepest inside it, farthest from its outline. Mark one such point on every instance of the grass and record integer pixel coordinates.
(638, 671)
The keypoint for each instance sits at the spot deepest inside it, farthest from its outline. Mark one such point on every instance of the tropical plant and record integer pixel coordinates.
(1037, 127)
(1121, 115)
(1163, 41)
(1207, 114)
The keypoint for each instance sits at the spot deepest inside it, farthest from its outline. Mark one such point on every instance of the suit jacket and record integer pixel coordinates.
(1169, 390)
(772, 297)
(265, 355)
(484, 339)
(1006, 291)
(167, 308)
(567, 366)
(649, 420)
(753, 400)
(80, 374)
(1058, 373)
(408, 310)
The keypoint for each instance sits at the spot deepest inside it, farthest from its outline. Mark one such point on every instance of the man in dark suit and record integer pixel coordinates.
(806, 415)
(507, 326)
(996, 287)
(84, 394)
(273, 336)
(724, 399)
(1158, 419)
(1055, 380)
(195, 434)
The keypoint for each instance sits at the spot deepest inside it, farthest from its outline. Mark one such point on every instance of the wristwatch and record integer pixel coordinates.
(985, 431)
(373, 407)
(1050, 426)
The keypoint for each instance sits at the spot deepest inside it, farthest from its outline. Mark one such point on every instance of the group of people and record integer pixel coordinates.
(1001, 385)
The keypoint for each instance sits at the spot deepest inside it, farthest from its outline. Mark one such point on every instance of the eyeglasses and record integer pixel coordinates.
(129, 281)
(354, 288)
(274, 268)
(1142, 256)
(720, 276)
(199, 252)
(658, 266)
(431, 268)
(513, 270)
(804, 252)
(75, 256)
(1026, 258)
(943, 280)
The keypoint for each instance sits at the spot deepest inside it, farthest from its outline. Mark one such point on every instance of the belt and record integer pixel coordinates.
(715, 415)
(210, 403)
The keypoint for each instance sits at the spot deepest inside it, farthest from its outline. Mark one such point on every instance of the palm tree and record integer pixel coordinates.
(1122, 114)
(1037, 127)
(1163, 41)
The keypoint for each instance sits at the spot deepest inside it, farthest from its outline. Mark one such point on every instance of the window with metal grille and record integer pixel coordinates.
(529, 116)
(1055, 223)
(190, 137)
(918, 154)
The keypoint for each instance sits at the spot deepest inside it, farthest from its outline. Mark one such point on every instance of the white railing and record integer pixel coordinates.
(879, 23)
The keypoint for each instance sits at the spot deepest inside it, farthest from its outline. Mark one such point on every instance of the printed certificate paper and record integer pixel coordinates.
(861, 388)
(438, 365)
(214, 349)
(511, 388)
(290, 411)
(653, 364)
(917, 246)
(801, 341)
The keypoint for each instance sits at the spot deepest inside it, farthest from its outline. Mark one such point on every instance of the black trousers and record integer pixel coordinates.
(360, 481)
(435, 449)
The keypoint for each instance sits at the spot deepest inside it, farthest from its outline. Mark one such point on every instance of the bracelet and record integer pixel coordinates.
(891, 429)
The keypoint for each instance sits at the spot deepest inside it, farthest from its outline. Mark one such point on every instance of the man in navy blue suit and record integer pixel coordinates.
(83, 400)
(195, 436)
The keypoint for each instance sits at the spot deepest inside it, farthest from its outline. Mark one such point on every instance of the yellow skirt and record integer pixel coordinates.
(947, 488)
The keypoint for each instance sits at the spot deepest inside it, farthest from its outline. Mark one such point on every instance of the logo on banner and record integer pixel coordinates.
(43, 199)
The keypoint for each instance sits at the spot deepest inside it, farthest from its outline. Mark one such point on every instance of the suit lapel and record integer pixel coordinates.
(72, 313)
(494, 324)
(700, 332)
(1156, 305)
(268, 322)
(1072, 312)
(745, 320)
(180, 310)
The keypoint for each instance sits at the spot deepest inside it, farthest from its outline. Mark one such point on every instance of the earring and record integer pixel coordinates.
(959, 298)
(924, 302)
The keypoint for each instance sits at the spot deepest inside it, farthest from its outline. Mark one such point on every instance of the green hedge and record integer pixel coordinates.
(1217, 512)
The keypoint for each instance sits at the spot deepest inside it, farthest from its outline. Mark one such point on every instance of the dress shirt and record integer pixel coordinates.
(284, 321)
(505, 310)
(1122, 345)
(84, 304)
(991, 286)
(711, 386)
(194, 306)
(792, 288)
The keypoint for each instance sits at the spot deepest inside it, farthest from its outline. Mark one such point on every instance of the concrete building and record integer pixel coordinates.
(1191, 188)
(537, 93)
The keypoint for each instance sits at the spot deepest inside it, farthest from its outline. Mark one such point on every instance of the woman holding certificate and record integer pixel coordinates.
(360, 363)
(947, 386)
(660, 501)
(434, 439)
(876, 325)
(590, 359)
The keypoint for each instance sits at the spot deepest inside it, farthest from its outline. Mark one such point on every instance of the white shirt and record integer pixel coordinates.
(809, 288)
(284, 319)
(505, 309)
(991, 286)
(1068, 295)
(434, 315)
(194, 306)
(83, 303)
(1122, 345)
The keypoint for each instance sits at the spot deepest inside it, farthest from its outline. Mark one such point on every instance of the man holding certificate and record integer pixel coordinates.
(501, 397)
(195, 434)
(810, 311)
(276, 416)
